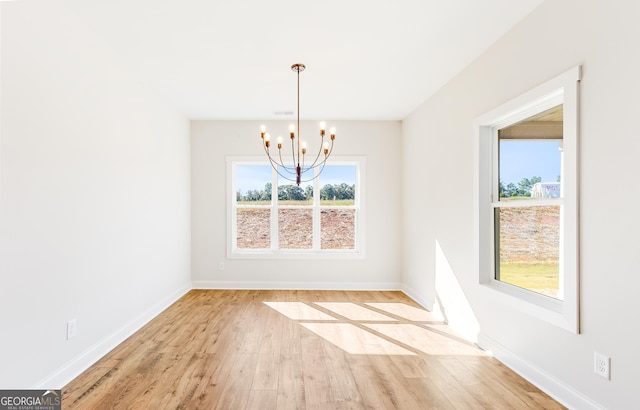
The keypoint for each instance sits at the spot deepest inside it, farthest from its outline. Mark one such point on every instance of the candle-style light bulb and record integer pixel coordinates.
(304, 148)
(279, 142)
(267, 140)
(326, 148)
(333, 133)
(292, 129)
(262, 130)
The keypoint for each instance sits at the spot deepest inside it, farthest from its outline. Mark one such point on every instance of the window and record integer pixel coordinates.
(527, 202)
(272, 217)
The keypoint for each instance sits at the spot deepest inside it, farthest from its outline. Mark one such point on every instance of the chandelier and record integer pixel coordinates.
(297, 171)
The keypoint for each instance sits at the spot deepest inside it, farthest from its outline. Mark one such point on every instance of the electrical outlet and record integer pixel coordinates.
(71, 328)
(221, 266)
(602, 365)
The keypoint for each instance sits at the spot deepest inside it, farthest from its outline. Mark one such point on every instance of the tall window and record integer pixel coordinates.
(527, 201)
(272, 217)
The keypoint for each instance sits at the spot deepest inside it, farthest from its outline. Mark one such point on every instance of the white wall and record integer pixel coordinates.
(438, 213)
(94, 212)
(379, 142)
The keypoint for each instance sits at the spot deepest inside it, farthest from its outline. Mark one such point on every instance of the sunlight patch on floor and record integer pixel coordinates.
(427, 341)
(354, 340)
(427, 333)
(299, 311)
(408, 312)
(355, 312)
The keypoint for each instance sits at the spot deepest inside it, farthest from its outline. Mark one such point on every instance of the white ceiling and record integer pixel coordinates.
(366, 59)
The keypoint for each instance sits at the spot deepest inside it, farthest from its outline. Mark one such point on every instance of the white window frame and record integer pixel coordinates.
(316, 252)
(562, 89)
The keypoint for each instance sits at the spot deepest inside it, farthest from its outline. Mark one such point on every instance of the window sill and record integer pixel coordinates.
(543, 307)
(296, 255)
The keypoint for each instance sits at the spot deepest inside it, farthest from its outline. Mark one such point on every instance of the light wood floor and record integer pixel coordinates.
(228, 349)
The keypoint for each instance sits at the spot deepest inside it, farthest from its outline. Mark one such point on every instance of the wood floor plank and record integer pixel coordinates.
(262, 400)
(291, 392)
(315, 373)
(209, 390)
(505, 386)
(451, 388)
(237, 387)
(407, 393)
(267, 370)
(370, 392)
(342, 379)
(301, 349)
(82, 390)
(290, 343)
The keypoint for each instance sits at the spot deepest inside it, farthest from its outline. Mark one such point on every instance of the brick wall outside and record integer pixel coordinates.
(529, 234)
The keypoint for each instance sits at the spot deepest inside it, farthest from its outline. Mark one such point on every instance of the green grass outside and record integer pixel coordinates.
(514, 198)
(338, 202)
(540, 277)
(254, 202)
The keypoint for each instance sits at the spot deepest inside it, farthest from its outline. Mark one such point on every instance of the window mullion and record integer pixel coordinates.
(316, 232)
(234, 208)
(275, 239)
(528, 203)
(495, 154)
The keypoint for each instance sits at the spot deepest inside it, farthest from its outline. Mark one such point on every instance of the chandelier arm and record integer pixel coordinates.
(276, 166)
(266, 150)
(286, 168)
(292, 169)
(273, 161)
(321, 164)
(317, 163)
(293, 149)
(282, 175)
(319, 152)
(329, 152)
(324, 160)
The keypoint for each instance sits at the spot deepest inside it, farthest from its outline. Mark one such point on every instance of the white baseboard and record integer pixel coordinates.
(564, 394)
(75, 367)
(214, 284)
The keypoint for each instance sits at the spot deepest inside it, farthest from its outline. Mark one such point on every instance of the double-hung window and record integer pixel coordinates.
(271, 217)
(527, 201)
